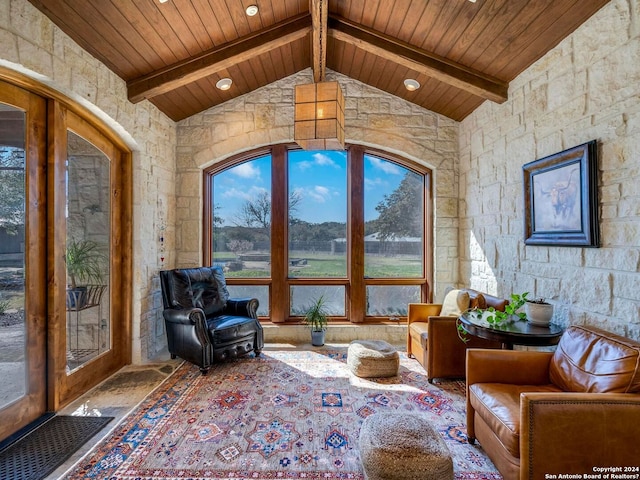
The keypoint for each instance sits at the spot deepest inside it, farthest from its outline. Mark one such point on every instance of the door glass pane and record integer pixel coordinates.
(87, 255)
(317, 214)
(12, 230)
(394, 220)
(242, 219)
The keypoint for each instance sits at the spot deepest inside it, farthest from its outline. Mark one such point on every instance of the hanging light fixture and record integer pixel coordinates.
(319, 116)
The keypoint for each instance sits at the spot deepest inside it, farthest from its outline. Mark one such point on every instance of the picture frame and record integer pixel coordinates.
(561, 198)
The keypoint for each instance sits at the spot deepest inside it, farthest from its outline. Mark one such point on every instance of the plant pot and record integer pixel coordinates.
(539, 313)
(76, 298)
(317, 337)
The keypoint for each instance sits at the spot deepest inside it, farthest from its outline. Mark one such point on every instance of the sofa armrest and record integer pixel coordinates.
(575, 433)
(244, 307)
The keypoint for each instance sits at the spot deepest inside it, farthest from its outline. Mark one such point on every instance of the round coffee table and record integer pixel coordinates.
(519, 332)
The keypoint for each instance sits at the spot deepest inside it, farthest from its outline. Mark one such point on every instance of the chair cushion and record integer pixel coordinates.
(203, 288)
(455, 302)
(419, 332)
(498, 404)
(593, 360)
(229, 328)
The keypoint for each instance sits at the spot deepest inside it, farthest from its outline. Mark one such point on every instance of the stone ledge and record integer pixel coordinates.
(299, 334)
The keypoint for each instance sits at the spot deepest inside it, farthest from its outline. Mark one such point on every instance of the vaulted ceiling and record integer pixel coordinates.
(461, 52)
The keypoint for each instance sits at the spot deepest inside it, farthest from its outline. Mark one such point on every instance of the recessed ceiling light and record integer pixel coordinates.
(224, 83)
(411, 84)
(252, 10)
(163, 1)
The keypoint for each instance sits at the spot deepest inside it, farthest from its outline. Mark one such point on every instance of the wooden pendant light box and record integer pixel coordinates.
(319, 116)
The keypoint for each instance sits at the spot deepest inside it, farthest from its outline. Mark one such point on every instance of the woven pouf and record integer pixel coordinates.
(372, 358)
(403, 446)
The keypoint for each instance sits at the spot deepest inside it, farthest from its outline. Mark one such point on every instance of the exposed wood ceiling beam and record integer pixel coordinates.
(321, 25)
(232, 53)
(418, 60)
(319, 14)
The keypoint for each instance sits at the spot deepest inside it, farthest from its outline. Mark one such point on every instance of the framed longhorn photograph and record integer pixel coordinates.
(561, 198)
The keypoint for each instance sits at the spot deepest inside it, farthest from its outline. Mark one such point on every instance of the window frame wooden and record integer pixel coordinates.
(355, 283)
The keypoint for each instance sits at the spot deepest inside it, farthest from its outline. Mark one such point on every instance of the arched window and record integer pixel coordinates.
(289, 225)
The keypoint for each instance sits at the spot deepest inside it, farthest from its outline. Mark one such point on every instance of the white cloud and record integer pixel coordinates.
(319, 160)
(251, 194)
(245, 170)
(304, 165)
(372, 183)
(387, 167)
(319, 194)
(322, 159)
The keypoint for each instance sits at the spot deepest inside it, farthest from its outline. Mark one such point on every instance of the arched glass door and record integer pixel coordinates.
(65, 195)
(91, 197)
(22, 259)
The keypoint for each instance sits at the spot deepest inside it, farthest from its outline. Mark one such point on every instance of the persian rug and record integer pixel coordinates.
(288, 414)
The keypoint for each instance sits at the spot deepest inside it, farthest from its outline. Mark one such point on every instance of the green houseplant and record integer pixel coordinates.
(496, 318)
(85, 263)
(315, 317)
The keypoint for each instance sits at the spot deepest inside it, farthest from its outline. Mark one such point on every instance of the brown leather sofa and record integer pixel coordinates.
(565, 412)
(433, 339)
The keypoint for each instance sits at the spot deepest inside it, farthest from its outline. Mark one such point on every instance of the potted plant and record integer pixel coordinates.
(497, 318)
(316, 319)
(85, 262)
(539, 312)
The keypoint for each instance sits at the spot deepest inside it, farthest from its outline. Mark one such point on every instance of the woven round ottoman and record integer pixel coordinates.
(403, 446)
(372, 358)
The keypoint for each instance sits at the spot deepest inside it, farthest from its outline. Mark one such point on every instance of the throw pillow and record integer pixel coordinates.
(455, 302)
(478, 302)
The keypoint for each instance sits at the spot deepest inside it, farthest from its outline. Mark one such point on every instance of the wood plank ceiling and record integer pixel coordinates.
(461, 52)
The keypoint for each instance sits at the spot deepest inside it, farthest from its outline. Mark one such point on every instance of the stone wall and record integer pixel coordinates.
(586, 88)
(372, 118)
(31, 44)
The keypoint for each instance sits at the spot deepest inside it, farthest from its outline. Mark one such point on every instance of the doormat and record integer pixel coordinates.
(43, 449)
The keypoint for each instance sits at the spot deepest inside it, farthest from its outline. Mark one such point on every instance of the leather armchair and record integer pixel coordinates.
(433, 339)
(569, 411)
(203, 324)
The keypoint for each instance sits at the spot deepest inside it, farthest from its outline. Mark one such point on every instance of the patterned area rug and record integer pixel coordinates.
(285, 415)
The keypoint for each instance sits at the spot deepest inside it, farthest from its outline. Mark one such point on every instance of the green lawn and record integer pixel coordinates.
(321, 265)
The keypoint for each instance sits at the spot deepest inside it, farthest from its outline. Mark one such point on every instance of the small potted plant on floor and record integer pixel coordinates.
(539, 312)
(316, 319)
(85, 262)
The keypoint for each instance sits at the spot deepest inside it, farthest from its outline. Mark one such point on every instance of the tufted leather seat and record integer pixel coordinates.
(539, 413)
(203, 324)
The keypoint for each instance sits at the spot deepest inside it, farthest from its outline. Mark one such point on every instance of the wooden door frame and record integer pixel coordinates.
(33, 403)
(68, 386)
(62, 389)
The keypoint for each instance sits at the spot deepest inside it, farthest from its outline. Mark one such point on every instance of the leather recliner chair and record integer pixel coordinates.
(433, 339)
(203, 324)
(564, 412)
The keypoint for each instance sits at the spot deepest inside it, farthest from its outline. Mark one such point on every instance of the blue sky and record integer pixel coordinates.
(320, 177)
